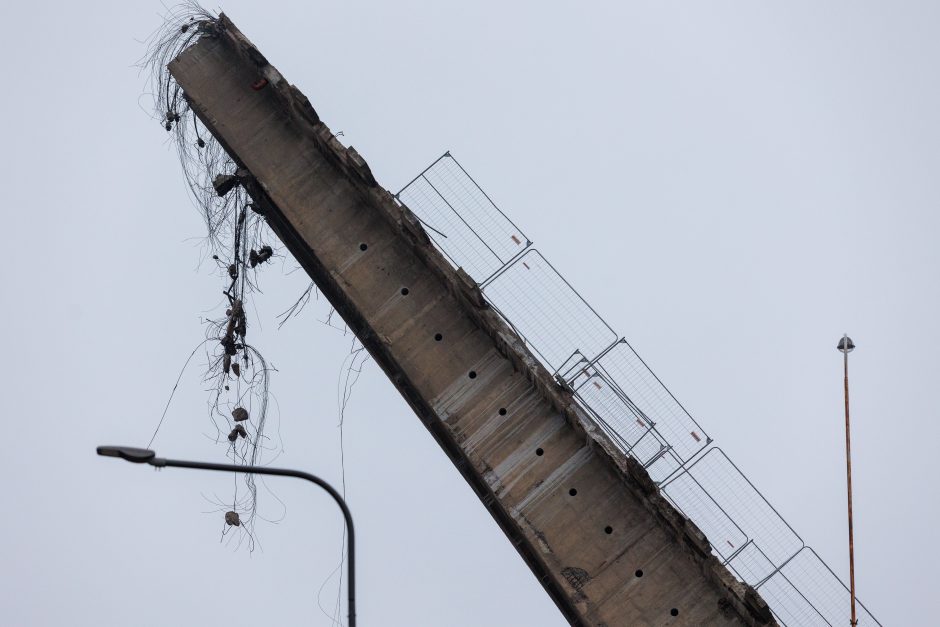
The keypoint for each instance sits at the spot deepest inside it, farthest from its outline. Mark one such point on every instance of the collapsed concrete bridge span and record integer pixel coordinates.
(584, 516)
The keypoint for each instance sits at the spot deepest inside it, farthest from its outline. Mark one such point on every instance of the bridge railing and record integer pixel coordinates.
(613, 384)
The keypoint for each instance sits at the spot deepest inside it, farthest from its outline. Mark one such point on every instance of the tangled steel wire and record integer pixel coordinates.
(240, 242)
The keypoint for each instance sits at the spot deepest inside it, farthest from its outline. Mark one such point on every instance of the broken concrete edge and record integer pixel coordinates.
(744, 600)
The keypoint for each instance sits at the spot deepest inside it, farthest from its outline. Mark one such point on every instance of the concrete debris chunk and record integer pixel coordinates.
(238, 431)
(259, 256)
(224, 183)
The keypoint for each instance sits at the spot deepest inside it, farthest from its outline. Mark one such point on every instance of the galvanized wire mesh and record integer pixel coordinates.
(729, 509)
(806, 592)
(633, 378)
(603, 401)
(626, 399)
(621, 418)
(546, 311)
(463, 222)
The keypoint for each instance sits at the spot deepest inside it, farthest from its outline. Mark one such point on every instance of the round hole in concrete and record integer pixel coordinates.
(573, 491)
(502, 411)
(608, 530)
(473, 374)
(438, 337)
(404, 291)
(639, 572)
(363, 246)
(673, 612)
(539, 452)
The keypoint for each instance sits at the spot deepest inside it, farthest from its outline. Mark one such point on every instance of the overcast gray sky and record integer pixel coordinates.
(733, 185)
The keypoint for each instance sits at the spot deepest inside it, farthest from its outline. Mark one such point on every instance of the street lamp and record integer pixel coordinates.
(146, 456)
(846, 346)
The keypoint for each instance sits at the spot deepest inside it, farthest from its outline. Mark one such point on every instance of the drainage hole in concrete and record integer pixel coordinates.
(573, 491)
(363, 246)
(404, 291)
(539, 452)
(608, 530)
(473, 374)
(673, 612)
(639, 572)
(502, 411)
(438, 337)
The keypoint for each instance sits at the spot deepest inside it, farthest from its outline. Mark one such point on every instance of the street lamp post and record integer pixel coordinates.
(846, 346)
(146, 456)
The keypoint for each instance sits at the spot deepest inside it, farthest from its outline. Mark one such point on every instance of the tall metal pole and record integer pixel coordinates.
(846, 346)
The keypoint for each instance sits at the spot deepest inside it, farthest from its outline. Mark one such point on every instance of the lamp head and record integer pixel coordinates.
(846, 345)
(128, 453)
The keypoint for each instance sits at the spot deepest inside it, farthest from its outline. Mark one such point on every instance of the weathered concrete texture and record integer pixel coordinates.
(552, 481)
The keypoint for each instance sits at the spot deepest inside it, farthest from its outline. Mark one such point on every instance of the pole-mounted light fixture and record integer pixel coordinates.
(846, 346)
(146, 456)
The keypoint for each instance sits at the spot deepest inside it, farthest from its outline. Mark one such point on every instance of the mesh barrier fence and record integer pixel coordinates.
(731, 512)
(463, 222)
(806, 592)
(556, 323)
(626, 399)
(633, 378)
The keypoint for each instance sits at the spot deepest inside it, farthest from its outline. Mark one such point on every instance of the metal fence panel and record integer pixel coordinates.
(690, 498)
(806, 593)
(462, 221)
(713, 489)
(624, 368)
(602, 400)
(549, 314)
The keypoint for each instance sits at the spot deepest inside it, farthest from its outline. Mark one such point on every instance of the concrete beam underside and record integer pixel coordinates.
(322, 201)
